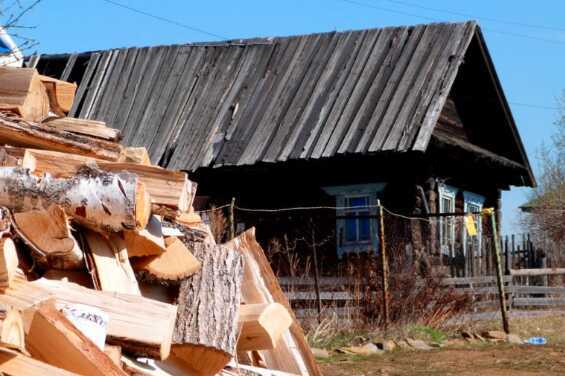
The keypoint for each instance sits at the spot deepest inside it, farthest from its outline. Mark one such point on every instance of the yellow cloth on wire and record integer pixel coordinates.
(470, 225)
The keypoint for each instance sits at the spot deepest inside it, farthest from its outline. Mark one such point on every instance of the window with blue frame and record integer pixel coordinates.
(356, 223)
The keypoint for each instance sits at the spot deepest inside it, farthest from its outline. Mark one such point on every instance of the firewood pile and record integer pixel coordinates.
(105, 267)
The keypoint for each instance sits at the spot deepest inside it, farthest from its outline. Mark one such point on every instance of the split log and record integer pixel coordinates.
(98, 200)
(8, 262)
(139, 325)
(91, 128)
(260, 285)
(61, 94)
(167, 188)
(112, 263)
(136, 155)
(27, 134)
(54, 339)
(48, 235)
(176, 263)
(22, 92)
(13, 331)
(14, 363)
(146, 242)
(262, 326)
(205, 334)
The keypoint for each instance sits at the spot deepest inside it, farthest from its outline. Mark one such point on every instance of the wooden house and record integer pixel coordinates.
(414, 116)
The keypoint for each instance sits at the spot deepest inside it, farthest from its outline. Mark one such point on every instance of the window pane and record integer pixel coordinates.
(358, 201)
(364, 228)
(350, 230)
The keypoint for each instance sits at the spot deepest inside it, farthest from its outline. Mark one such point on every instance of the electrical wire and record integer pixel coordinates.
(166, 20)
(488, 19)
(502, 32)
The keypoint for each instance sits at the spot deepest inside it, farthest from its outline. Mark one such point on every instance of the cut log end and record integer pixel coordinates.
(202, 360)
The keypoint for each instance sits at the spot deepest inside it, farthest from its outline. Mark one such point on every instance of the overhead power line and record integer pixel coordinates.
(428, 18)
(166, 20)
(538, 106)
(474, 16)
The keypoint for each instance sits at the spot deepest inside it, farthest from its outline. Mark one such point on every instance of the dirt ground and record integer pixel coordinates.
(475, 360)
(468, 359)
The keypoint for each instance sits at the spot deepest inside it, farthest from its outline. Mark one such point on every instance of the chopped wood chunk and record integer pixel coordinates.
(139, 325)
(136, 155)
(112, 263)
(48, 232)
(176, 263)
(146, 242)
(13, 331)
(61, 94)
(262, 326)
(54, 339)
(22, 92)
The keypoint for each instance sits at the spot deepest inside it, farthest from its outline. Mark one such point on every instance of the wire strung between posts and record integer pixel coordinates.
(213, 209)
(307, 208)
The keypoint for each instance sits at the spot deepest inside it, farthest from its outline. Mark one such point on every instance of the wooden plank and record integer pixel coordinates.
(328, 143)
(112, 263)
(431, 50)
(254, 99)
(84, 83)
(324, 295)
(283, 138)
(260, 285)
(95, 85)
(538, 302)
(370, 92)
(14, 363)
(393, 94)
(119, 98)
(86, 127)
(40, 136)
(69, 66)
(51, 337)
(262, 326)
(140, 325)
(432, 85)
(282, 99)
(537, 272)
(214, 83)
(435, 107)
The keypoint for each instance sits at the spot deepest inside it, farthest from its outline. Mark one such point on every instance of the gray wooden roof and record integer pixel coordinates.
(267, 100)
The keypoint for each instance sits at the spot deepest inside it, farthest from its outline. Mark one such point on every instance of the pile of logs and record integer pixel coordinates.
(105, 267)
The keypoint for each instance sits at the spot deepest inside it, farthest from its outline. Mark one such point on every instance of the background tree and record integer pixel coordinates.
(546, 207)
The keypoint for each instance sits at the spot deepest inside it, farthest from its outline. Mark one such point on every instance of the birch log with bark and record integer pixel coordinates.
(99, 200)
(205, 333)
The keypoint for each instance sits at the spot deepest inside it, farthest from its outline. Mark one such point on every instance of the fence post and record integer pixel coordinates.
(384, 266)
(316, 273)
(232, 218)
(499, 280)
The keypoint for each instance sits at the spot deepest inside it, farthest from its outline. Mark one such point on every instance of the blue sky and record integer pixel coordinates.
(526, 39)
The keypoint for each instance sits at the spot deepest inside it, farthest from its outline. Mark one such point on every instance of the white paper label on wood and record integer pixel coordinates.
(91, 321)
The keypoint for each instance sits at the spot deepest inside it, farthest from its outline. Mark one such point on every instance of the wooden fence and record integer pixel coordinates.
(524, 288)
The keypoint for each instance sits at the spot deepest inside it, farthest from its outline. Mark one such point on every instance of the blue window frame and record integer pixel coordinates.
(357, 229)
